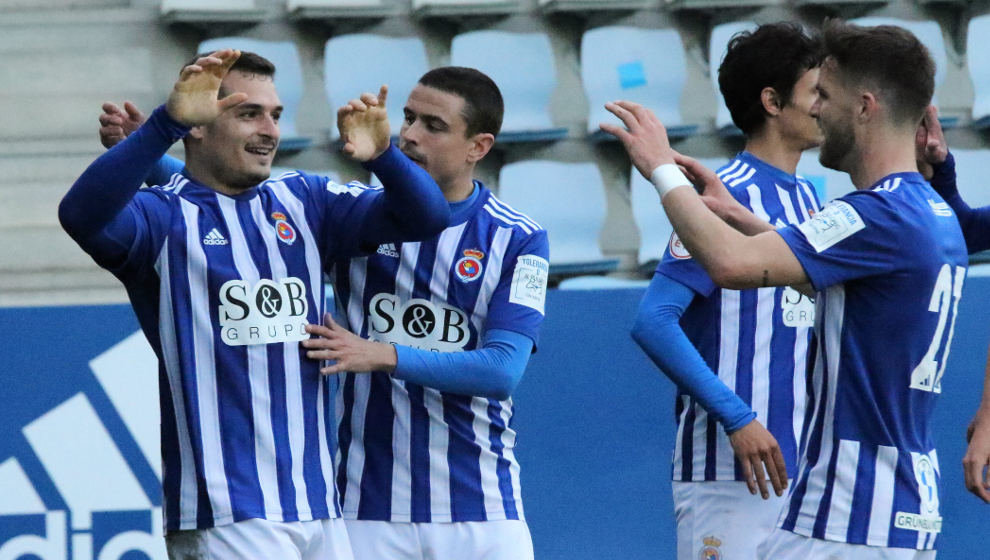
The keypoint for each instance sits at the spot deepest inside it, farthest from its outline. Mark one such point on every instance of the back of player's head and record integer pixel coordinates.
(886, 59)
(773, 55)
(483, 106)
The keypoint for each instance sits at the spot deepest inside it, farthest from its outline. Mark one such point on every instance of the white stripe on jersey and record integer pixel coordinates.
(883, 496)
(492, 275)
(491, 209)
(756, 202)
(205, 364)
(731, 176)
(749, 175)
(818, 476)
(188, 489)
(728, 362)
(257, 355)
(362, 385)
(785, 200)
(508, 451)
(840, 508)
(760, 399)
(401, 424)
(480, 424)
(512, 212)
(731, 168)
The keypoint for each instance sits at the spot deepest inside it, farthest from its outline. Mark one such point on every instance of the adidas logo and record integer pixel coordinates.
(89, 468)
(214, 238)
(389, 250)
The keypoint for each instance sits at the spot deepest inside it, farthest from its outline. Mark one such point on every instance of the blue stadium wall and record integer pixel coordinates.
(594, 418)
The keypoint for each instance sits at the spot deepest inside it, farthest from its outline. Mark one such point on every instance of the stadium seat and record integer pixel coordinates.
(434, 8)
(837, 3)
(930, 34)
(211, 11)
(720, 4)
(332, 9)
(602, 283)
(554, 6)
(288, 81)
(568, 200)
(398, 60)
(525, 74)
(979, 69)
(717, 45)
(643, 65)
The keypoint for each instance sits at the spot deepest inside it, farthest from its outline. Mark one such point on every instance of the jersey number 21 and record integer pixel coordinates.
(927, 375)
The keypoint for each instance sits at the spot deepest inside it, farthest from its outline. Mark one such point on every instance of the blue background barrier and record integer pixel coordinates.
(595, 423)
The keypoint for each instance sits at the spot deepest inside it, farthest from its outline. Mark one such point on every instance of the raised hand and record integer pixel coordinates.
(195, 99)
(646, 138)
(755, 447)
(931, 148)
(977, 459)
(349, 351)
(116, 123)
(363, 125)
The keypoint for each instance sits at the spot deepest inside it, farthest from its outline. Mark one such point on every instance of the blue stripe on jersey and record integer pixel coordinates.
(466, 497)
(419, 461)
(824, 507)
(376, 480)
(497, 446)
(345, 413)
(859, 518)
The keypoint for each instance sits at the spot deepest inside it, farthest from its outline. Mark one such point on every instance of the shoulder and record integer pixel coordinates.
(301, 180)
(506, 216)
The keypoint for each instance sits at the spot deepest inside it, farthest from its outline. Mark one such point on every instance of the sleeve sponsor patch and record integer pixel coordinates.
(529, 282)
(833, 223)
(677, 249)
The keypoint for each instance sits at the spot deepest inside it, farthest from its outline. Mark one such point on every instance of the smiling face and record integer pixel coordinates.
(434, 135)
(235, 151)
(834, 111)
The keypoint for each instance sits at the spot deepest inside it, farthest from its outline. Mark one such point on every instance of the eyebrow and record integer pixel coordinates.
(258, 107)
(430, 119)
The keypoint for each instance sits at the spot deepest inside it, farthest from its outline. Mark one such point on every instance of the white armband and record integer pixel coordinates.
(668, 177)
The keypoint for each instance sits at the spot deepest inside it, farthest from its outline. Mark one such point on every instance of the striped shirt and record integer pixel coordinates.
(755, 340)
(223, 286)
(888, 264)
(411, 453)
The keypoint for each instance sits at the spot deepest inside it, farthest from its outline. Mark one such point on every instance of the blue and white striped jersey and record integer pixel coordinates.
(755, 340)
(223, 286)
(888, 264)
(410, 453)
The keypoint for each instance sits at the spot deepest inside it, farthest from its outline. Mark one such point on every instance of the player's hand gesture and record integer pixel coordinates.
(194, 98)
(756, 447)
(116, 123)
(363, 125)
(349, 351)
(644, 136)
(977, 458)
(931, 148)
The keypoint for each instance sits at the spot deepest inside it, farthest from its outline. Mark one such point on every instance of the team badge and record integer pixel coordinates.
(710, 550)
(285, 232)
(677, 249)
(468, 269)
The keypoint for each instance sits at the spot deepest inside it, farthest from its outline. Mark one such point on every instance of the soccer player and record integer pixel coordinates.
(427, 465)
(742, 424)
(887, 262)
(224, 268)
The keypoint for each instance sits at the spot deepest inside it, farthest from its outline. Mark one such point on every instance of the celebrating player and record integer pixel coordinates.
(224, 268)
(887, 262)
(756, 339)
(427, 464)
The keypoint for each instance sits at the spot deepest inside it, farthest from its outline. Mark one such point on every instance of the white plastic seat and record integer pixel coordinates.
(524, 72)
(357, 63)
(568, 201)
(432, 8)
(288, 80)
(646, 66)
(331, 9)
(979, 68)
(554, 6)
(211, 11)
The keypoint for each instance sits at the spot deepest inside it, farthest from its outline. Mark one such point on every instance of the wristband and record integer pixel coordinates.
(668, 177)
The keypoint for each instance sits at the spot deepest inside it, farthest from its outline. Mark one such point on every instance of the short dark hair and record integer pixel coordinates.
(483, 105)
(248, 62)
(888, 59)
(773, 55)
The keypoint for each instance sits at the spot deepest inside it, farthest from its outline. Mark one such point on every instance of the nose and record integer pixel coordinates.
(408, 133)
(816, 108)
(269, 127)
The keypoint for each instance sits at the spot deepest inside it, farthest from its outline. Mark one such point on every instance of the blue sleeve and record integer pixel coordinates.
(658, 332)
(975, 222)
(162, 172)
(97, 211)
(492, 371)
(518, 301)
(413, 208)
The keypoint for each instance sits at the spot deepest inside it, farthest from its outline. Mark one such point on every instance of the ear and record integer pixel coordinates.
(869, 106)
(481, 144)
(771, 101)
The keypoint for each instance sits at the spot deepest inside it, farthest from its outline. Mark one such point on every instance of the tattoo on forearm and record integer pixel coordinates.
(766, 278)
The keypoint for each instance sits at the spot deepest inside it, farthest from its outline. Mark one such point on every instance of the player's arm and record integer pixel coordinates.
(491, 371)
(977, 459)
(92, 211)
(658, 332)
(732, 259)
(118, 123)
(413, 207)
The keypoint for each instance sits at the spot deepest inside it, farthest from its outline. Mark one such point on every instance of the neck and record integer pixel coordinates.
(774, 150)
(458, 189)
(884, 152)
(205, 177)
